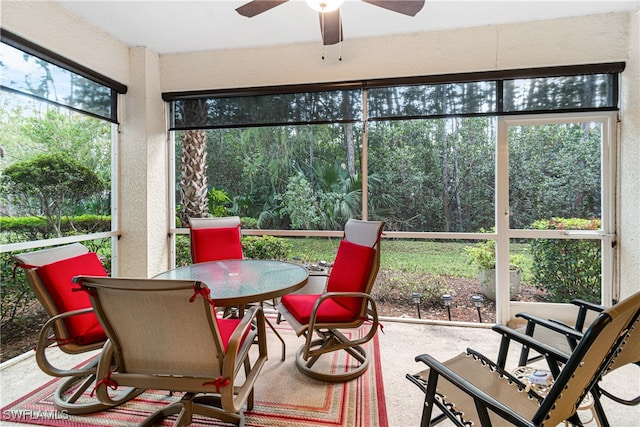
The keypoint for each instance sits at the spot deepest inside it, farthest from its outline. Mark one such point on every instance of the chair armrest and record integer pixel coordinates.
(44, 342)
(371, 314)
(551, 324)
(327, 295)
(237, 355)
(236, 339)
(588, 305)
(555, 358)
(584, 307)
(437, 369)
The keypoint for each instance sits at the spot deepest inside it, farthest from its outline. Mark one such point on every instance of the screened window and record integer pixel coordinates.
(30, 70)
(596, 91)
(431, 156)
(267, 110)
(432, 100)
(57, 134)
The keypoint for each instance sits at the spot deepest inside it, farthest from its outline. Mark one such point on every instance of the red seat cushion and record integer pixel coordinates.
(300, 306)
(350, 272)
(213, 244)
(226, 328)
(57, 279)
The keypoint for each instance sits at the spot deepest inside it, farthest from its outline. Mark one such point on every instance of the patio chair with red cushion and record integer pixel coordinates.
(346, 304)
(214, 239)
(72, 326)
(165, 335)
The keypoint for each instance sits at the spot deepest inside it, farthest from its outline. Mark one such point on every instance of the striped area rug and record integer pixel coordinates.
(283, 397)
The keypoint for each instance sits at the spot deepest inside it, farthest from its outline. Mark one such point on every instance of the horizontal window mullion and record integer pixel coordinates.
(110, 118)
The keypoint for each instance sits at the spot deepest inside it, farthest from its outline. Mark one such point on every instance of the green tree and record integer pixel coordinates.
(56, 183)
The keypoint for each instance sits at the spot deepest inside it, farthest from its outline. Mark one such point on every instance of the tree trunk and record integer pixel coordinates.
(351, 157)
(193, 171)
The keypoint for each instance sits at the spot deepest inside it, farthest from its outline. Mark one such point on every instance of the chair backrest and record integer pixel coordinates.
(607, 336)
(630, 352)
(50, 273)
(214, 239)
(158, 327)
(357, 262)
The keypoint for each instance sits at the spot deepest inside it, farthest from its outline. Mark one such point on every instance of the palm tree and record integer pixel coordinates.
(193, 164)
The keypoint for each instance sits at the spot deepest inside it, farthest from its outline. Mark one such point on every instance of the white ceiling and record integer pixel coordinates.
(195, 25)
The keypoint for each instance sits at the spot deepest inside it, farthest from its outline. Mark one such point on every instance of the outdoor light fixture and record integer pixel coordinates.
(446, 300)
(324, 5)
(478, 301)
(417, 298)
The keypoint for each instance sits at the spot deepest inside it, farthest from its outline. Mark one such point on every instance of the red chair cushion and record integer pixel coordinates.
(350, 272)
(213, 244)
(226, 328)
(57, 279)
(300, 305)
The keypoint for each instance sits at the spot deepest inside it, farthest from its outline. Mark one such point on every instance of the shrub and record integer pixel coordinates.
(248, 222)
(38, 227)
(567, 268)
(265, 247)
(58, 183)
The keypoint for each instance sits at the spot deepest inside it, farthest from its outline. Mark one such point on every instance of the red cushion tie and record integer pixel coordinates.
(203, 291)
(107, 381)
(22, 266)
(218, 383)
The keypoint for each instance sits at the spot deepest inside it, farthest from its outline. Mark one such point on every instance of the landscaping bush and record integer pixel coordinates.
(567, 269)
(265, 247)
(28, 228)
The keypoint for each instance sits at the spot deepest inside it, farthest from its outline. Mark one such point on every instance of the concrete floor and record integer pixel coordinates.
(399, 344)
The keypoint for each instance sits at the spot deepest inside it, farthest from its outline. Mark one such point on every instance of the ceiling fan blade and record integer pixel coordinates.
(410, 7)
(331, 27)
(256, 7)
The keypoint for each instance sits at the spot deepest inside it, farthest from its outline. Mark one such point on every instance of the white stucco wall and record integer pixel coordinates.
(143, 172)
(573, 41)
(143, 189)
(629, 167)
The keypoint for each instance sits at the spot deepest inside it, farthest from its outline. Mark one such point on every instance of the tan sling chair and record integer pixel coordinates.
(165, 335)
(470, 388)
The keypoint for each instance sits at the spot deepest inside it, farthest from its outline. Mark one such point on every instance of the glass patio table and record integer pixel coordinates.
(241, 282)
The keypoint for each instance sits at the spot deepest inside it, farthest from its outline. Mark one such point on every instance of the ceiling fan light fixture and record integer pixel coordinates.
(324, 5)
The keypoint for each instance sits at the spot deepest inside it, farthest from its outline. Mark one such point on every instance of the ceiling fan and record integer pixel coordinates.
(329, 10)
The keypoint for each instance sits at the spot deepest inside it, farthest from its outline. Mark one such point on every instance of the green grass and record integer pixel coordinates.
(411, 256)
(400, 259)
(440, 258)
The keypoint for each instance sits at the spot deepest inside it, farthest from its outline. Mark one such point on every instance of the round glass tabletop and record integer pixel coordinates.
(235, 282)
